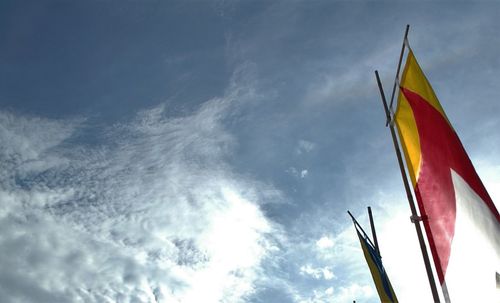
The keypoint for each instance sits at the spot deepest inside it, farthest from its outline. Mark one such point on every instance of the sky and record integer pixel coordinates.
(208, 151)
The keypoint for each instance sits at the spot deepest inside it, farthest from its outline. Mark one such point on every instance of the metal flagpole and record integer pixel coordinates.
(374, 234)
(406, 44)
(414, 216)
(356, 224)
(399, 68)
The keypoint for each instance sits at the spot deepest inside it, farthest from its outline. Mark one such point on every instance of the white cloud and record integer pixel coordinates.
(349, 81)
(489, 171)
(353, 292)
(154, 215)
(293, 171)
(328, 274)
(317, 273)
(325, 242)
(296, 173)
(304, 146)
(339, 253)
(401, 253)
(319, 296)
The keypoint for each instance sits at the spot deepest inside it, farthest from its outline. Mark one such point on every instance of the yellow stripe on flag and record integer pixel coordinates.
(414, 80)
(453, 202)
(382, 283)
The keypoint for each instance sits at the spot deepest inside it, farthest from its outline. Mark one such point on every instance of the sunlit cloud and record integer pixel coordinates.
(325, 242)
(317, 273)
(235, 189)
(154, 214)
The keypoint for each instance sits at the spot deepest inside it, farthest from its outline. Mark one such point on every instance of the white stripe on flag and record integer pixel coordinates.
(475, 249)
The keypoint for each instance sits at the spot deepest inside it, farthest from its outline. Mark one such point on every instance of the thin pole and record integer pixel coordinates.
(414, 214)
(397, 71)
(374, 234)
(356, 224)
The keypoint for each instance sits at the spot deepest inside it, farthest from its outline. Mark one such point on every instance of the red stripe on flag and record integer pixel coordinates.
(441, 151)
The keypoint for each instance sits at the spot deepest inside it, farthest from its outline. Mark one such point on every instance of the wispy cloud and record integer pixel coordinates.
(317, 273)
(175, 207)
(304, 146)
(154, 214)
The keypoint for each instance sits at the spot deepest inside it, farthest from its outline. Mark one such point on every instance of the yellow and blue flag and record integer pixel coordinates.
(382, 283)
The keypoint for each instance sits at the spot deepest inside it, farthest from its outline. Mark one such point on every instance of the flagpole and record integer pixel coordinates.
(356, 224)
(414, 216)
(397, 71)
(374, 234)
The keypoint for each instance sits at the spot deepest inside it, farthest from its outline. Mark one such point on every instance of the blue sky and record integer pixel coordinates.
(207, 151)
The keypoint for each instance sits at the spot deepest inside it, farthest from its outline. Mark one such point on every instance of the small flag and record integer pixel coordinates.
(460, 219)
(382, 283)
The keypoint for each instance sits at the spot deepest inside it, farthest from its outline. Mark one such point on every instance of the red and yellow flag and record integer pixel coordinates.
(460, 219)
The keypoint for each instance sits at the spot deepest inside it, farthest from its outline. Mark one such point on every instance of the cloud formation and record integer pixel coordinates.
(173, 203)
(152, 215)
